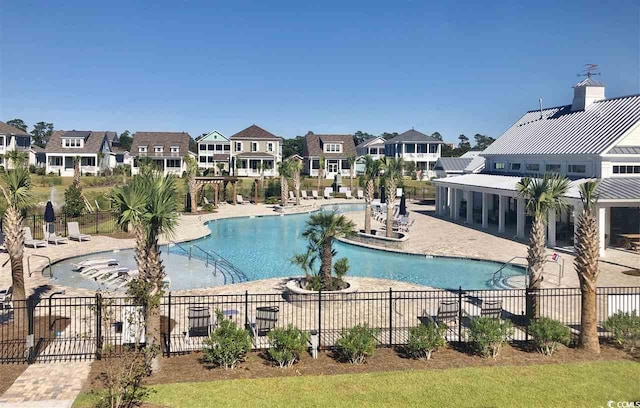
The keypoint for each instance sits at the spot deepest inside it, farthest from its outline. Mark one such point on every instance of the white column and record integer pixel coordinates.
(450, 198)
(441, 200)
(485, 210)
(520, 218)
(456, 203)
(501, 210)
(165, 167)
(469, 207)
(602, 229)
(608, 227)
(551, 228)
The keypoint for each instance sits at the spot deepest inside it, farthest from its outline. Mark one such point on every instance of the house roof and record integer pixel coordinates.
(624, 150)
(476, 165)
(214, 136)
(93, 140)
(255, 155)
(619, 188)
(370, 141)
(7, 129)
(219, 156)
(560, 131)
(413, 135)
(314, 145)
(589, 82)
(452, 164)
(164, 139)
(254, 132)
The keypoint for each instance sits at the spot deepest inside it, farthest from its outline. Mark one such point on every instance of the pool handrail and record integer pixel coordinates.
(234, 273)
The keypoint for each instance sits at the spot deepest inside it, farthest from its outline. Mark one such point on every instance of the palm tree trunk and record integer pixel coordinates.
(589, 333)
(193, 189)
(255, 193)
(586, 263)
(368, 197)
(391, 200)
(296, 187)
(155, 275)
(535, 260)
(14, 241)
(325, 267)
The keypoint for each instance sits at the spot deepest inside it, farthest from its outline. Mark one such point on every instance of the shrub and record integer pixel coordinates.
(272, 200)
(489, 335)
(73, 202)
(227, 345)
(122, 378)
(32, 168)
(208, 207)
(425, 339)
(41, 171)
(357, 343)
(548, 334)
(626, 329)
(286, 345)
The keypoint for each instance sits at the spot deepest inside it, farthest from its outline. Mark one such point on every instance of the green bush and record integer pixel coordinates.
(425, 339)
(489, 335)
(73, 202)
(286, 345)
(228, 344)
(625, 328)
(208, 207)
(41, 171)
(272, 200)
(357, 343)
(548, 334)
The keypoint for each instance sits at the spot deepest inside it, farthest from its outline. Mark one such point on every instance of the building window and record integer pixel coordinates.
(88, 161)
(226, 147)
(499, 166)
(433, 148)
(422, 148)
(409, 148)
(71, 142)
(174, 149)
(142, 149)
(345, 165)
(202, 147)
(315, 164)
(515, 166)
(202, 159)
(210, 147)
(55, 161)
(254, 146)
(270, 146)
(218, 147)
(211, 159)
(333, 148)
(577, 168)
(238, 147)
(158, 149)
(533, 167)
(552, 168)
(173, 163)
(626, 169)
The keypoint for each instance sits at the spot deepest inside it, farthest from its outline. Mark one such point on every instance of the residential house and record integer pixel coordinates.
(166, 150)
(417, 147)
(255, 152)
(470, 162)
(90, 146)
(336, 150)
(593, 138)
(214, 150)
(374, 147)
(12, 138)
(118, 154)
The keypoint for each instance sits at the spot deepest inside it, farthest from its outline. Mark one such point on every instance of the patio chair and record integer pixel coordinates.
(314, 194)
(360, 195)
(266, 319)
(5, 298)
(201, 322)
(448, 313)
(491, 308)
(303, 194)
(74, 232)
(239, 199)
(29, 241)
(291, 195)
(348, 194)
(51, 236)
(327, 194)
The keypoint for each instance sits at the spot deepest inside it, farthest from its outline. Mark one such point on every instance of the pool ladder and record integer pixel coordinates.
(553, 259)
(230, 272)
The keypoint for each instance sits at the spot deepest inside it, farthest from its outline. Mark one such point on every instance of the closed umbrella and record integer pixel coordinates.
(187, 204)
(383, 198)
(49, 215)
(403, 205)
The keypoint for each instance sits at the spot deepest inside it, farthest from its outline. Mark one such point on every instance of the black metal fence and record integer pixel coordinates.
(101, 222)
(68, 328)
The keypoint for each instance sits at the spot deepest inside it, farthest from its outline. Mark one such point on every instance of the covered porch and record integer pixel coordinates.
(254, 165)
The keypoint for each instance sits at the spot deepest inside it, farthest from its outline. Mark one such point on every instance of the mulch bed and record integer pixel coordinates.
(13, 336)
(8, 374)
(191, 367)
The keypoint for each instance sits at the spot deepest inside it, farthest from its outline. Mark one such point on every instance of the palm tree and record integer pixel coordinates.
(586, 263)
(321, 164)
(352, 171)
(322, 229)
(17, 158)
(16, 188)
(306, 261)
(371, 172)
(284, 170)
(192, 173)
(149, 204)
(76, 171)
(392, 172)
(220, 167)
(543, 195)
(295, 167)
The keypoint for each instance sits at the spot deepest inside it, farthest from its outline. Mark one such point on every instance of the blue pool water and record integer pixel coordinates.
(262, 246)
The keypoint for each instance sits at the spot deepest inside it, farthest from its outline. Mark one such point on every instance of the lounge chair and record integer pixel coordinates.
(398, 192)
(303, 194)
(3, 247)
(360, 195)
(448, 313)
(491, 308)
(348, 194)
(291, 195)
(51, 236)
(29, 241)
(201, 323)
(239, 199)
(314, 194)
(327, 194)
(74, 232)
(5, 298)
(266, 319)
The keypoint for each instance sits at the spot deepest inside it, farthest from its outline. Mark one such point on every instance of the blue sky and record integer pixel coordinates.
(290, 67)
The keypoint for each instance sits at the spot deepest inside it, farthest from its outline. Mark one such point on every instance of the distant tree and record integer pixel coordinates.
(125, 140)
(292, 146)
(193, 145)
(448, 151)
(18, 123)
(436, 135)
(360, 137)
(387, 135)
(464, 142)
(483, 141)
(41, 133)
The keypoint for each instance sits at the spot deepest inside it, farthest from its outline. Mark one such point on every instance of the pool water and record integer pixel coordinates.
(262, 248)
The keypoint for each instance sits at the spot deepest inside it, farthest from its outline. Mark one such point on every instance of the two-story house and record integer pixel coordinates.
(336, 150)
(92, 147)
(165, 150)
(12, 138)
(214, 150)
(417, 147)
(593, 138)
(255, 152)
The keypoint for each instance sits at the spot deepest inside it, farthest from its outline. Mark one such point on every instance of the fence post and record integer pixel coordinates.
(460, 314)
(97, 221)
(169, 327)
(319, 319)
(34, 229)
(66, 230)
(527, 319)
(98, 326)
(30, 330)
(246, 308)
(390, 317)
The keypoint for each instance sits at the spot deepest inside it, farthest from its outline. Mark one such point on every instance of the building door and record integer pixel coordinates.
(332, 166)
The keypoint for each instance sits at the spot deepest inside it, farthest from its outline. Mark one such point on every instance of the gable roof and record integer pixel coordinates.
(164, 139)
(413, 135)
(7, 129)
(452, 164)
(254, 132)
(93, 140)
(314, 145)
(624, 150)
(560, 131)
(370, 141)
(214, 136)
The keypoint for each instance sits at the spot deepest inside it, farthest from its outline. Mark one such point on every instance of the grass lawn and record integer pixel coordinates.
(566, 385)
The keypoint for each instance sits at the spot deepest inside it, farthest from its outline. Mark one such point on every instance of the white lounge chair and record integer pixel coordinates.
(51, 237)
(29, 241)
(239, 199)
(314, 194)
(348, 194)
(74, 232)
(398, 192)
(291, 195)
(360, 195)
(327, 193)
(5, 298)
(303, 194)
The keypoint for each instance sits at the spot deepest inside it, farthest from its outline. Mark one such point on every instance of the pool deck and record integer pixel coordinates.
(429, 235)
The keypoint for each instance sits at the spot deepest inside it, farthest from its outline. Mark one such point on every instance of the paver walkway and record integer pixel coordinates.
(47, 385)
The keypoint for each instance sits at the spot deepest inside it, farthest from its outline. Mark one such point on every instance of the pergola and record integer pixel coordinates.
(216, 183)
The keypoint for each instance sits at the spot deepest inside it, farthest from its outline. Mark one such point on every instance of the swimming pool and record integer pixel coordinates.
(262, 248)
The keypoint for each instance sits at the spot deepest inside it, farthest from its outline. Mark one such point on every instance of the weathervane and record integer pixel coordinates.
(589, 70)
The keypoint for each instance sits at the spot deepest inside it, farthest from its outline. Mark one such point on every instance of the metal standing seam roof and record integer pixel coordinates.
(625, 150)
(619, 188)
(561, 131)
(452, 164)
(476, 165)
